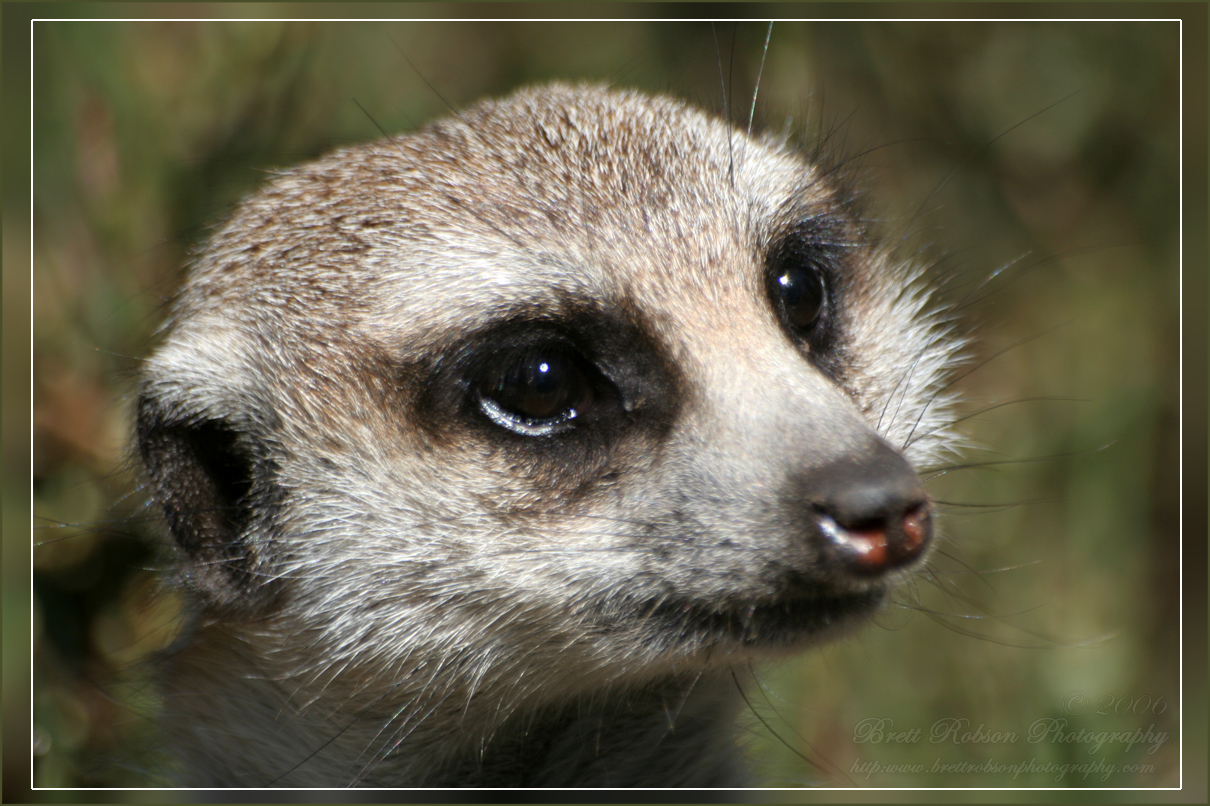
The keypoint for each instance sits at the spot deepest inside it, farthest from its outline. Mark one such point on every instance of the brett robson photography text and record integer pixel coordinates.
(1047, 729)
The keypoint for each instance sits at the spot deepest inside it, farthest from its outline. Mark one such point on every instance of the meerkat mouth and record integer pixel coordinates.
(790, 622)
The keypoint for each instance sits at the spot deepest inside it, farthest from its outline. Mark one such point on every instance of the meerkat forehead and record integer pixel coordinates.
(554, 194)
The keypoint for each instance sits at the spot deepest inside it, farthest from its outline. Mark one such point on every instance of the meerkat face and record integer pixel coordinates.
(580, 385)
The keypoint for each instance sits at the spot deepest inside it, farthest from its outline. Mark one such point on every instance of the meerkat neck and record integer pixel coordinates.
(254, 728)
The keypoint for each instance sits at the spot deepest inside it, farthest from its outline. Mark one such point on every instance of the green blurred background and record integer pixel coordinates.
(1048, 150)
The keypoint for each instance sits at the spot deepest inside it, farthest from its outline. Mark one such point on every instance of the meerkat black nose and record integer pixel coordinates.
(869, 510)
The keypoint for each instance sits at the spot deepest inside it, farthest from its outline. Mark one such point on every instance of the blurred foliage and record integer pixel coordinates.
(1035, 165)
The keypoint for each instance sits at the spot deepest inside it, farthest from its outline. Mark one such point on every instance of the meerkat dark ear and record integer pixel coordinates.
(217, 494)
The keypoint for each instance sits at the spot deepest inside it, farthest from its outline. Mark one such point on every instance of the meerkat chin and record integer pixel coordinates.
(489, 450)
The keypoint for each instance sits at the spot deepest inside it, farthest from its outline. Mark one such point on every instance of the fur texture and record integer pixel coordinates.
(395, 584)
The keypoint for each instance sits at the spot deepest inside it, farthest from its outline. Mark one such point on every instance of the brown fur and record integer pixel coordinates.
(392, 589)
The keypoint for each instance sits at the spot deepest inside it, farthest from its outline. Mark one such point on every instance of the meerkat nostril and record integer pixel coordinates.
(860, 549)
(877, 546)
(917, 528)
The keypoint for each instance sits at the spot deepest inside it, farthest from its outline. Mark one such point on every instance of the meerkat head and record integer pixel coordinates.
(576, 388)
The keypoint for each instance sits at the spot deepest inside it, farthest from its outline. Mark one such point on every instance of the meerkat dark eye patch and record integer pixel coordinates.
(561, 383)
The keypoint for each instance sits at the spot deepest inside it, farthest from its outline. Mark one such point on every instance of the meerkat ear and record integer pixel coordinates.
(216, 494)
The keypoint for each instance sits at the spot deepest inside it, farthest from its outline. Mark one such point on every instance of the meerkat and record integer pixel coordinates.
(490, 452)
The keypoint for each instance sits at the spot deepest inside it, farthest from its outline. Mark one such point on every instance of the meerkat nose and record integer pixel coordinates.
(879, 545)
(870, 512)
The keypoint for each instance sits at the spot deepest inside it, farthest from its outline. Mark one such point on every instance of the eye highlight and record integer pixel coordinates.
(537, 390)
(799, 292)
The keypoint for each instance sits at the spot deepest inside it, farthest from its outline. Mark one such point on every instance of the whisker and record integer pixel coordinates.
(760, 71)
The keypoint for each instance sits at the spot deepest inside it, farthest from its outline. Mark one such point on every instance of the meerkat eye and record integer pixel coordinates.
(537, 391)
(798, 290)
